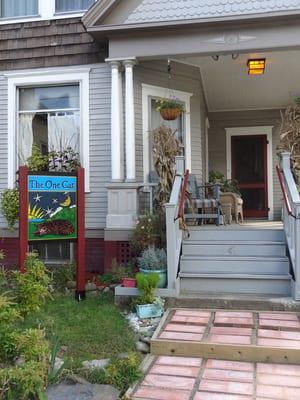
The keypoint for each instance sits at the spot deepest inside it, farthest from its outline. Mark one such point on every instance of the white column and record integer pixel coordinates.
(129, 121)
(116, 122)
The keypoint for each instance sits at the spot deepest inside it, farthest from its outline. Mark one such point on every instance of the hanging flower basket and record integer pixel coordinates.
(169, 109)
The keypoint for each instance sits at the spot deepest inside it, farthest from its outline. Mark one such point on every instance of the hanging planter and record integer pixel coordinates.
(170, 109)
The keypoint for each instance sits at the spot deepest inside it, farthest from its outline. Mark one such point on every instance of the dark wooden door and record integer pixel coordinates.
(249, 168)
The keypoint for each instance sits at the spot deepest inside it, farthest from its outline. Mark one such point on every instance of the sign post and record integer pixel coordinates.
(52, 209)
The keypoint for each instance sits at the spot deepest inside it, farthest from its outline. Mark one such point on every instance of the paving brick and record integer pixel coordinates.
(185, 328)
(279, 323)
(167, 381)
(278, 392)
(276, 334)
(233, 339)
(280, 316)
(226, 387)
(232, 365)
(228, 375)
(234, 314)
(193, 313)
(278, 343)
(190, 320)
(233, 321)
(220, 396)
(184, 361)
(150, 393)
(278, 380)
(229, 330)
(175, 370)
(195, 337)
(280, 369)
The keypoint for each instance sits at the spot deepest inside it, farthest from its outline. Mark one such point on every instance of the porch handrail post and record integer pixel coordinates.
(171, 245)
(297, 252)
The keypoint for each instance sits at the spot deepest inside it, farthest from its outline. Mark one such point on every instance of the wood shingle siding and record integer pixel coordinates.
(47, 44)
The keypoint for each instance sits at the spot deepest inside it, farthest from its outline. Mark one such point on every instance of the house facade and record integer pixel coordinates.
(96, 68)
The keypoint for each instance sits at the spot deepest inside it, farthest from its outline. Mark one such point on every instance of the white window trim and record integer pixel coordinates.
(46, 11)
(48, 77)
(254, 130)
(157, 91)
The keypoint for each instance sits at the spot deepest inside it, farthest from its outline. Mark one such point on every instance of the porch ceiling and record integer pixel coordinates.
(228, 86)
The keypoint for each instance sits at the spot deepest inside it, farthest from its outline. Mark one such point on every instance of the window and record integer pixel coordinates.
(49, 117)
(18, 8)
(54, 252)
(72, 5)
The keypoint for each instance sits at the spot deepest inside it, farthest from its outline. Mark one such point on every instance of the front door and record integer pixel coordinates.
(249, 168)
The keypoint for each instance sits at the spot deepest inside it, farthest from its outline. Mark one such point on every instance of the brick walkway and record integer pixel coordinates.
(191, 378)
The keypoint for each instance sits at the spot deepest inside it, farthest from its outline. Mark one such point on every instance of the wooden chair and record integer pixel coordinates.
(236, 204)
(204, 201)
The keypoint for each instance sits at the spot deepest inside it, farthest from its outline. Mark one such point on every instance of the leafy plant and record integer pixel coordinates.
(64, 161)
(63, 274)
(226, 185)
(165, 149)
(117, 273)
(290, 137)
(122, 373)
(32, 286)
(153, 259)
(164, 103)
(146, 285)
(10, 206)
(54, 373)
(148, 232)
(37, 161)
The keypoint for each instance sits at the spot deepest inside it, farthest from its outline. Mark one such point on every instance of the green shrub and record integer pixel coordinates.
(10, 206)
(124, 372)
(37, 161)
(146, 285)
(153, 259)
(63, 274)
(32, 286)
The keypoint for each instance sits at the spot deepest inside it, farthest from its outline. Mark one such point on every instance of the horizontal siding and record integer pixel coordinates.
(100, 173)
(217, 141)
(184, 78)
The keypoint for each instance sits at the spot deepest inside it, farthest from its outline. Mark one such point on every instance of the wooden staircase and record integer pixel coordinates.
(235, 259)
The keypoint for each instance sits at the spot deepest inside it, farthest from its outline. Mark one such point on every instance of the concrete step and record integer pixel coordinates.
(212, 234)
(234, 284)
(234, 264)
(233, 248)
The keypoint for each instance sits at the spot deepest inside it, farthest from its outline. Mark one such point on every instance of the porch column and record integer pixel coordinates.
(117, 169)
(129, 121)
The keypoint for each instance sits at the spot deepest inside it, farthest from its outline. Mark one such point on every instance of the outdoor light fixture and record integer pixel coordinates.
(256, 66)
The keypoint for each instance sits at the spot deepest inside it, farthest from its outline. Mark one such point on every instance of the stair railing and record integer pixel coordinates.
(291, 217)
(174, 231)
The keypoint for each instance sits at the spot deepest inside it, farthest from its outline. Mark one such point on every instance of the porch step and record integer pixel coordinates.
(239, 234)
(235, 283)
(234, 248)
(236, 264)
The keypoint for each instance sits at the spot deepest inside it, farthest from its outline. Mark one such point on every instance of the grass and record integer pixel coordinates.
(91, 329)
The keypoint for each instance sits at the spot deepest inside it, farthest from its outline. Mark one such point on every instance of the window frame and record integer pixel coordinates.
(14, 17)
(148, 92)
(54, 76)
(69, 12)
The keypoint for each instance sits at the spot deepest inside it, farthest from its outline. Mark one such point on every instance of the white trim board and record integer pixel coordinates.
(158, 91)
(48, 77)
(254, 130)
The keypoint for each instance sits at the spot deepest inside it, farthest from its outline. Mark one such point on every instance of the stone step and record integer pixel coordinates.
(234, 265)
(233, 248)
(234, 284)
(240, 234)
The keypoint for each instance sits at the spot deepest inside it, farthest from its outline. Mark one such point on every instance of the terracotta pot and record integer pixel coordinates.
(129, 282)
(169, 114)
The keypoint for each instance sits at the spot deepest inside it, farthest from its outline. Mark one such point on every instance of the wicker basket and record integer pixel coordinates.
(169, 114)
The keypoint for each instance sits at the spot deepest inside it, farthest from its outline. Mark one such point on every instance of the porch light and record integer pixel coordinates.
(256, 66)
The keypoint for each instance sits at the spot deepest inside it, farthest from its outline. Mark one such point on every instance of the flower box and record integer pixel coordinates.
(128, 282)
(149, 310)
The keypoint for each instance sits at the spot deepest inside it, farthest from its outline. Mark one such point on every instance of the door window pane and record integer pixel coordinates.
(72, 5)
(18, 8)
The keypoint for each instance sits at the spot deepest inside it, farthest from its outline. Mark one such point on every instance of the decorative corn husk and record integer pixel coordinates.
(165, 149)
(290, 137)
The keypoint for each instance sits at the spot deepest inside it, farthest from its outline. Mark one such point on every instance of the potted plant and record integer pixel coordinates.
(170, 109)
(147, 305)
(154, 260)
(128, 278)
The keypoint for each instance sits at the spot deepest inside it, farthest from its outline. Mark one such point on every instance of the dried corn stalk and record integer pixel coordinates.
(165, 149)
(290, 137)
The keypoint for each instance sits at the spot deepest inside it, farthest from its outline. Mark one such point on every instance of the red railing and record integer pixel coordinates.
(183, 194)
(284, 192)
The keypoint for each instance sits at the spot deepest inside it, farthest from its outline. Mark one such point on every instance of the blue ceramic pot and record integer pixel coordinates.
(149, 310)
(162, 275)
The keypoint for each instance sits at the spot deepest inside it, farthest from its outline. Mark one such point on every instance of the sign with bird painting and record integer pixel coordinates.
(52, 207)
